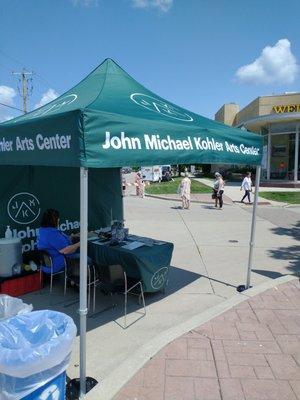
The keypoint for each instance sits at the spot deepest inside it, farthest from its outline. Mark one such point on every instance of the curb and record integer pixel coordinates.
(111, 385)
(259, 203)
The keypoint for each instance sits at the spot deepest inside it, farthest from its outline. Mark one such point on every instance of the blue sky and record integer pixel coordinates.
(187, 51)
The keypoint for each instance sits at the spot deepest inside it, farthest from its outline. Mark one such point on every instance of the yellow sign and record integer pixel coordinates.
(286, 108)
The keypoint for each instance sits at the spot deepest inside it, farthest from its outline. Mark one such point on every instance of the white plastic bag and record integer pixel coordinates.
(34, 348)
(11, 306)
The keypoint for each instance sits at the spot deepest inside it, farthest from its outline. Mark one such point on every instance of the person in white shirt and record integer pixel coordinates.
(247, 187)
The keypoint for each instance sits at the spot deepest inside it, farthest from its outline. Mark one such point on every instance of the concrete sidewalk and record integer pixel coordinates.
(232, 190)
(250, 352)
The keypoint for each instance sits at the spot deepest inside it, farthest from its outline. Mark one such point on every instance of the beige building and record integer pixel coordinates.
(277, 118)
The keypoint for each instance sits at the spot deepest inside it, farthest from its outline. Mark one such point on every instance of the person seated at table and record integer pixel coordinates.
(56, 243)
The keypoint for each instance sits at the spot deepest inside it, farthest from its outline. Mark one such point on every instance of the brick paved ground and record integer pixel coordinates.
(251, 352)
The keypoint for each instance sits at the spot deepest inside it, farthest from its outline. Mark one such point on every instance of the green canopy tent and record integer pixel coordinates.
(109, 120)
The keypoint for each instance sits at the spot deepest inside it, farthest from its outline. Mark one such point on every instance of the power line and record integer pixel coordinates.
(37, 87)
(22, 65)
(40, 90)
(11, 58)
(47, 84)
(25, 91)
(5, 67)
(14, 108)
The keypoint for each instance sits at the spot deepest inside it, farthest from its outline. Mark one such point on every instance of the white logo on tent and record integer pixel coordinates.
(53, 107)
(64, 101)
(160, 106)
(23, 208)
(159, 278)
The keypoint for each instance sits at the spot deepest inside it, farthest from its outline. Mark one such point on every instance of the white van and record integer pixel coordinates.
(151, 174)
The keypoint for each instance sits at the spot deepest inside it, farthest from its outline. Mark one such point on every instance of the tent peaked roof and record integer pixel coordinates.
(109, 120)
(105, 89)
(78, 97)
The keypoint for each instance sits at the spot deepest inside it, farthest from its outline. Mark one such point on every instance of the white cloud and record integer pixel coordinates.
(85, 3)
(161, 5)
(7, 95)
(275, 64)
(46, 98)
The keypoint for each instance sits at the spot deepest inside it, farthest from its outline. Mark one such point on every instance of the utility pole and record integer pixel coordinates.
(25, 90)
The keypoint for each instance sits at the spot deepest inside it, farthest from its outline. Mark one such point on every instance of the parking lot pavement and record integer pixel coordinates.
(249, 352)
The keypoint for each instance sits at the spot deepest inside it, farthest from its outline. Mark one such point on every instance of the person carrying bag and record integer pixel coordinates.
(218, 190)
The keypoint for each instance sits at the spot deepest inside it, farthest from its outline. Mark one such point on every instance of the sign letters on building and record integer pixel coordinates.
(286, 108)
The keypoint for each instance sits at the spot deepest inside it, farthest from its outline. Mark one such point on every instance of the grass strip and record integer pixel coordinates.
(171, 187)
(284, 197)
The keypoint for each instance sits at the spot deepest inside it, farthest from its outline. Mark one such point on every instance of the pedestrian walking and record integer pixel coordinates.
(137, 183)
(140, 185)
(124, 183)
(218, 190)
(184, 190)
(142, 188)
(247, 187)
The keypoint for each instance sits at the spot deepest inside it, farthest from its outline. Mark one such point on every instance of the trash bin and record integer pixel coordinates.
(11, 306)
(35, 349)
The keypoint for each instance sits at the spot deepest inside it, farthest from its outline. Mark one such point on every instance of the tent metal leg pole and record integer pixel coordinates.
(83, 275)
(253, 226)
(122, 193)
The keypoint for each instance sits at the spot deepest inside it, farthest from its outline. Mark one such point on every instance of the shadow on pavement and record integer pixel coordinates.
(205, 206)
(108, 307)
(267, 273)
(291, 253)
(179, 278)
